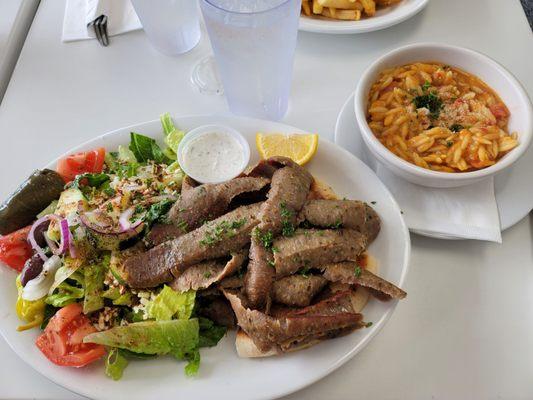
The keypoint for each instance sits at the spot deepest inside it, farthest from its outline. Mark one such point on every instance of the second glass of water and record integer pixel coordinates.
(172, 26)
(254, 43)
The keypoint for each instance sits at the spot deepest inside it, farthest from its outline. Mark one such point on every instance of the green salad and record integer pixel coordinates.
(70, 283)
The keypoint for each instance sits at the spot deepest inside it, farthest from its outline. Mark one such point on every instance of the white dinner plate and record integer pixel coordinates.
(384, 18)
(222, 374)
(512, 187)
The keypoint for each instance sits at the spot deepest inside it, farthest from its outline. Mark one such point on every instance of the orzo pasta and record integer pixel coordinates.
(439, 117)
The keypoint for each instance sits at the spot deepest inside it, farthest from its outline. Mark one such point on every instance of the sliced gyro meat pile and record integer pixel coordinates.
(201, 204)
(288, 192)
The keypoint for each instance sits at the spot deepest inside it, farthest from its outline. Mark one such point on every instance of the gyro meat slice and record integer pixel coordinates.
(215, 239)
(349, 272)
(313, 248)
(288, 192)
(200, 204)
(352, 214)
(205, 274)
(297, 290)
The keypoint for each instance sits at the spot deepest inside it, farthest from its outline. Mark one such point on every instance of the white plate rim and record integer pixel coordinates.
(373, 331)
(505, 223)
(398, 15)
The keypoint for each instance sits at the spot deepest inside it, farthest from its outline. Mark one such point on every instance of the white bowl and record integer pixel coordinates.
(206, 129)
(492, 73)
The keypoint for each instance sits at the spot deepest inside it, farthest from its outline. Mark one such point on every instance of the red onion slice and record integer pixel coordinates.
(65, 236)
(31, 236)
(125, 220)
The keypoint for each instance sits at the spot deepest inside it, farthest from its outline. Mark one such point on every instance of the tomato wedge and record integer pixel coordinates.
(79, 163)
(15, 249)
(62, 340)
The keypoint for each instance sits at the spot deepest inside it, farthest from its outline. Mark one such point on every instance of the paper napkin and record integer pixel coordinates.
(468, 212)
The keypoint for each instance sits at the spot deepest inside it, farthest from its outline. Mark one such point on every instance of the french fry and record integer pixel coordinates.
(351, 10)
(317, 8)
(369, 6)
(342, 4)
(348, 15)
(306, 7)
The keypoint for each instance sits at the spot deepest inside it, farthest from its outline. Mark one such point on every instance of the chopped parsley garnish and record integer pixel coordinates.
(272, 263)
(109, 207)
(357, 271)
(429, 100)
(304, 272)
(207, 274)
(449, 143)
(183, 225)
(223, 230)
(456, 127)
(337, 224)
(286, 220)
(275, 249)
(266, 238)
(369, 324)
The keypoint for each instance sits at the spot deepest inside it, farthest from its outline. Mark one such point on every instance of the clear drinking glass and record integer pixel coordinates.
(172, 26)
(254, 42)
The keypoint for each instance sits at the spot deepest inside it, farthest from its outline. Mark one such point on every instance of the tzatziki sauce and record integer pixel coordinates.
(213, 157)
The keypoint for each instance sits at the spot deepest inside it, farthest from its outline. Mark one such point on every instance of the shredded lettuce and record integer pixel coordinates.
(177, 337)
(115, 364)
(125, 155)
(166, 122)
(29, 311)
(65, 294)
(173, 136)
(118, 299)
(145, 149)
(193, 365)
(69, 267)
(169, 303)
(94, 282)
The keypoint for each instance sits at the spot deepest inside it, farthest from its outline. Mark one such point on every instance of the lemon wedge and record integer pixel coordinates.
(299, 147)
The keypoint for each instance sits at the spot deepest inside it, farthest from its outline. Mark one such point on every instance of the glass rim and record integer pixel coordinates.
(245, 12)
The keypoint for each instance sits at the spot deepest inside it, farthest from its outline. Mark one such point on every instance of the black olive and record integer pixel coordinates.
(39, 234)
(32, 268)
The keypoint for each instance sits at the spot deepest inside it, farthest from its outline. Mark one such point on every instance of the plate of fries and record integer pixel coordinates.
(356, 16)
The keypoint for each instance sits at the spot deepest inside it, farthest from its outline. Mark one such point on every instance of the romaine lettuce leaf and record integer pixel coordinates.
(173, 136)
(145, 149)
(125, 155)
(177, 337)
(166, 122)
(169, 303)
(64, 295)
(94, 283)
(210, 333)
(115, 364)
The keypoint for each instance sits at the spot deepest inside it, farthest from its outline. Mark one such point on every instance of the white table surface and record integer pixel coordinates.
(464, 332)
